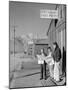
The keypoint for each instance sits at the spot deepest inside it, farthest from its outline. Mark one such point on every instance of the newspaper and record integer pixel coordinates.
(40, 59)
(48, 59)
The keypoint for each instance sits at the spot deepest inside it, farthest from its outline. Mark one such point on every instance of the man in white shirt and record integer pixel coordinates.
(50, 61)
(42, 64)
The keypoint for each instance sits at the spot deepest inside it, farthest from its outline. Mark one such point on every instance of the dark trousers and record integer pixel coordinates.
(43, 70)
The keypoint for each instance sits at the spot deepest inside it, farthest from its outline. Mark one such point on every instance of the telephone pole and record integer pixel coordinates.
(14, 37)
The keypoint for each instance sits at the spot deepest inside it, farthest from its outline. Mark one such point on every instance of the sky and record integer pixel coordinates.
(26, 18)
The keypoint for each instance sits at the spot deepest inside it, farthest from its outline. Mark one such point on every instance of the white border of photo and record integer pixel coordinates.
(4, 43)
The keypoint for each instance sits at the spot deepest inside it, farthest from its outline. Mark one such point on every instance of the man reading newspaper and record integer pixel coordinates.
(48, 59)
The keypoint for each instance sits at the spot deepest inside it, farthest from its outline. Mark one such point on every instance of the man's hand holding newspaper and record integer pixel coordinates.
(40, 59)
(48, 59)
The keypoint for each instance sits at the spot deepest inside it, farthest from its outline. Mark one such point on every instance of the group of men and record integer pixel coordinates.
(52, 60)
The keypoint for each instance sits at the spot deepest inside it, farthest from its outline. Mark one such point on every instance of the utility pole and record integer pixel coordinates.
(14, 30)
(14, 37)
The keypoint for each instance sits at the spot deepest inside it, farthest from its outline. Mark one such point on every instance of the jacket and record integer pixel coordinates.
(57, 55)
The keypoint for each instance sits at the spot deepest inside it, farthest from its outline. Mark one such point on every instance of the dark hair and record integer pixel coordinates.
(44, 52)
(55, 43)
(49, 48)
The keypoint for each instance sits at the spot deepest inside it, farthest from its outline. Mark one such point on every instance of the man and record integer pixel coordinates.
(57, 56)
(49, 60)
(42, 64)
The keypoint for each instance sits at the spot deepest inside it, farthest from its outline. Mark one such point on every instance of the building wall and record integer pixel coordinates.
(58, 33)
(61, 28)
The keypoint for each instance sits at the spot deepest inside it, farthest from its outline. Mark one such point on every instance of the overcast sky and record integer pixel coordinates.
(27, 18)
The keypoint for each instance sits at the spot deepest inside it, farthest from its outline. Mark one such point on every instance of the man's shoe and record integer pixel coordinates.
(45, 78)
(41, 78)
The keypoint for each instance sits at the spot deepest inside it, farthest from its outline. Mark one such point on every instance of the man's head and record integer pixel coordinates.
(49, 49)
(55, 45)
(41, 50)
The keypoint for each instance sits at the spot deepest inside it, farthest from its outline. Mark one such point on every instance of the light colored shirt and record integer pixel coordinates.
(40, 59)
(49, 59)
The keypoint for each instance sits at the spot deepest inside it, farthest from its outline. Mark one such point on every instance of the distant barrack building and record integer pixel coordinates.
(36, 46)
(41, 44)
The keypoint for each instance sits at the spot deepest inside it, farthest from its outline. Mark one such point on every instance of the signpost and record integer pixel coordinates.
(49, 14)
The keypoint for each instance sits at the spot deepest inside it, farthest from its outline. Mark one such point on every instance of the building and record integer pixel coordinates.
(57, 29)
(31, 50)
(35, 47)
(40, 44)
